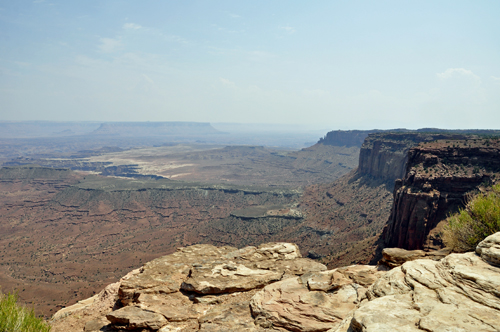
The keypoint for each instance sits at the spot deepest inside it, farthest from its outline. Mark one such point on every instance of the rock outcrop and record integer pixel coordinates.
(356, 138)
(346, 137)
(205, 288)
(393, 257)
(315, 301)
(384, 155)
(272, 288)
(458, 293)
(438, 177)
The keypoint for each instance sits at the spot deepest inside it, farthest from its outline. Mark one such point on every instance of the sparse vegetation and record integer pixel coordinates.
(16, 318)
(480, 218)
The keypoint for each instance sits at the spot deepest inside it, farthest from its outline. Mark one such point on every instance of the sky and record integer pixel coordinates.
(332, 64)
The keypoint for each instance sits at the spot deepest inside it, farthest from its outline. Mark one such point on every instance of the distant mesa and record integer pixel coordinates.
(147, 129)
(29, 129)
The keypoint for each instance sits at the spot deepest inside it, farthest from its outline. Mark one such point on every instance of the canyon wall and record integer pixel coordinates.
(346, 138)
(356, 138)
(438, 176)
(383, 156)
(65, 235)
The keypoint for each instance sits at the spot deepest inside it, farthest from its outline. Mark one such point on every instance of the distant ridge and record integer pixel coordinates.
(30, 129)
(351, 138)
(146, 129)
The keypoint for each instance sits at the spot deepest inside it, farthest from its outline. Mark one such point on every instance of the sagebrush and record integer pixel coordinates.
(16, 318)
(479, 219)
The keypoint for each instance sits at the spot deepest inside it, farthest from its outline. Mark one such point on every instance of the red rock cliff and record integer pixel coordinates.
(383, 156)
(438, 176)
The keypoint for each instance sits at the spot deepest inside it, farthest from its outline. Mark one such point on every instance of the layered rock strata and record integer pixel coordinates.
(439, 176)
(384, 156)
(271, 288)
(205, 288)
(458, 293)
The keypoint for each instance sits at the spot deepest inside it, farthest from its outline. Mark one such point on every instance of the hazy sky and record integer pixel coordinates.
(336, 64)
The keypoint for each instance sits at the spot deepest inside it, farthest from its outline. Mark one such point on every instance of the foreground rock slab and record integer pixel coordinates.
(272, 288)
(198, 288)
(461, 292)
(315, 301)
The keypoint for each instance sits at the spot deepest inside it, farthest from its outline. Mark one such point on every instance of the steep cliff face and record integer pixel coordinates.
(384, 155)
(437, 179)
(346, 138)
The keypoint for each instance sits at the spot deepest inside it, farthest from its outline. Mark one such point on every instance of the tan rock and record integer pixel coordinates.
(87, 314)
(489, 249)
(132, 318)
(95, 325)
(365, 275)
(166, 274)
(459, 293)
(394, 257)
(176, 307)
(204, 288)
(296, 266)
(184, 326)
(227, 278)
(211, 286)
(232, 313)
(307, 303)
(266, 251)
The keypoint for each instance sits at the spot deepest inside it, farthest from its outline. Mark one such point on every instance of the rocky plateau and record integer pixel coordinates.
(272, 288)
(67, 234)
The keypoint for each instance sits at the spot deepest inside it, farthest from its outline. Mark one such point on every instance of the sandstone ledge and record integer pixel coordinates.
(272, 288)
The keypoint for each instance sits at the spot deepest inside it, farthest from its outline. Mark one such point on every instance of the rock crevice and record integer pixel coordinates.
(272, 288)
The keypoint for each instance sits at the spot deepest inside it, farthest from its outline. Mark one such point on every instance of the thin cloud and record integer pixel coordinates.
(225, 81)
(495, 78)
(260, 56)
(234, 15)
(315, 92)
(288, 29)
(175, 39)
(453, 72)
(132, 26)
(148, 78)
(110, 45)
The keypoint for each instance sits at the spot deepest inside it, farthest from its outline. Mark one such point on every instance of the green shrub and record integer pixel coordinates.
(479, 219)
(15, 318)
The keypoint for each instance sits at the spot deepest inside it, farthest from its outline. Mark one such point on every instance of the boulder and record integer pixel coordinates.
(272, 288)
(133, 318)
(227, 278)
(489, 249)
(393, 257)
(205, 288)
(459, 293)
(166, 274)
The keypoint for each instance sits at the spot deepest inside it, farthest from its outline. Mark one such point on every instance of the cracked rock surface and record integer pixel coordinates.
(272, 288)
(461, 292)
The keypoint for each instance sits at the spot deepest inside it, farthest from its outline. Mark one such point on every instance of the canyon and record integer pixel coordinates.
(67, 234)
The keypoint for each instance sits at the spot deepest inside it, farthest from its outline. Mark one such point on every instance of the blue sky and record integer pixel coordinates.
(331, 64)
